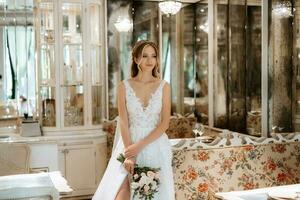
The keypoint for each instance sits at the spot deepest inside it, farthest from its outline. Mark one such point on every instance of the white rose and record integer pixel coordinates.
(135, 176)
(151, 174)
(153, 185)
(156, 175)
(148, 180)
(143, 181)
(134, 185)
(143, 174)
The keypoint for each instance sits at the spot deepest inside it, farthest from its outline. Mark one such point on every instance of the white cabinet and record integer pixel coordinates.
(71, 51)
(82, 162)
(81, 167)
(80, 158)
(38, 162)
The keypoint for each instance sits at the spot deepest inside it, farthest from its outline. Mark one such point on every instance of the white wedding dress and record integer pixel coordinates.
(142, 120)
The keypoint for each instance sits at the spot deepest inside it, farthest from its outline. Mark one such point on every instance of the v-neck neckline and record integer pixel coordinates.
(150, 98)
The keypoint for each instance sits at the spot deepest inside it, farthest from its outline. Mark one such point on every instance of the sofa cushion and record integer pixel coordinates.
(181, 126)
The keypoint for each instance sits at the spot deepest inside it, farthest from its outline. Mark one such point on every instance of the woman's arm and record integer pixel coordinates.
(123, 117)
(134, 149)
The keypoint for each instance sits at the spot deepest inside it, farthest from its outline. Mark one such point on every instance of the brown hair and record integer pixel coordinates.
(137, 52)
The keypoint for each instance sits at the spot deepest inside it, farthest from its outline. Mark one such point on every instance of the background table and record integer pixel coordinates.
(262, 193)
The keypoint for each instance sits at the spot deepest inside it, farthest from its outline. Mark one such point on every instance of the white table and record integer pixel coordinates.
(288, 191)
(43, 185)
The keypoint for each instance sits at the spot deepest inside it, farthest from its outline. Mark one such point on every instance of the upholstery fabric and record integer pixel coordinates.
(198, 172)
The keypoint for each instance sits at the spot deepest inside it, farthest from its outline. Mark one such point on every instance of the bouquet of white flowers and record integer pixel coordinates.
(145, 180)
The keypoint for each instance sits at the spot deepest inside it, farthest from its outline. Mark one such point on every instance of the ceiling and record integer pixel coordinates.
(183, 1)
(249, 2)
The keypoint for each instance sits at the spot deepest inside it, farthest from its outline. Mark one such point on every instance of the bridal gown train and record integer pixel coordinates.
(142, 120)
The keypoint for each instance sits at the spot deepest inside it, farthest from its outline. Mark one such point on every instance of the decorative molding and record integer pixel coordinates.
(231, 139)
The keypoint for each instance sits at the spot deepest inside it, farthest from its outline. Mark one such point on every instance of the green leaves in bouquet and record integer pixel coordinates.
(121, 158)
(139, 170)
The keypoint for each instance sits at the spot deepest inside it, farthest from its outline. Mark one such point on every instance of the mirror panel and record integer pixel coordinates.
(17, 56)
(253, 70)
(221, 69)
(201, 63)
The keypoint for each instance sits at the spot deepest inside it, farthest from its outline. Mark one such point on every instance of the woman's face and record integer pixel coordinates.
(147, 61)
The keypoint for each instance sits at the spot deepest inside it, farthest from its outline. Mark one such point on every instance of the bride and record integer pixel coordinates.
(144, 107)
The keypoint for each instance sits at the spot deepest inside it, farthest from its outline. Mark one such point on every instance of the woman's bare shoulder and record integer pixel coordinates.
(166, 84)
(130, 80)
(121, 86)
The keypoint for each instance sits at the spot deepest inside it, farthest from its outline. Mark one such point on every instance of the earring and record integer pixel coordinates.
(139, 68)
(156, 70)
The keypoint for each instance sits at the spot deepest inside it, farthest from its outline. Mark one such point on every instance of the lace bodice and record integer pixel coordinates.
(140, 116)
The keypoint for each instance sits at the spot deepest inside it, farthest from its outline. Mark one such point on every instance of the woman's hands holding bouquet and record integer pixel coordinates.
(133, 150)
(130, 156)
(129, 164)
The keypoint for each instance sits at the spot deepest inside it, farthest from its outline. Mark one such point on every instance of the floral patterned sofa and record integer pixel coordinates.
(242, 163)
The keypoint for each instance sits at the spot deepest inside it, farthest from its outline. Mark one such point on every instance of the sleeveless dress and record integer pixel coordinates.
(158, 154)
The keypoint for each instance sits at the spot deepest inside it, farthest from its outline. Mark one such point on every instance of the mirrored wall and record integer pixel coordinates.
(283, 37)
(185, 50)
(228, 61)
(296, 66)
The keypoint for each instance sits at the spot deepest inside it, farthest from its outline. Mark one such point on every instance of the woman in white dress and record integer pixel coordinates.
(144, 107)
